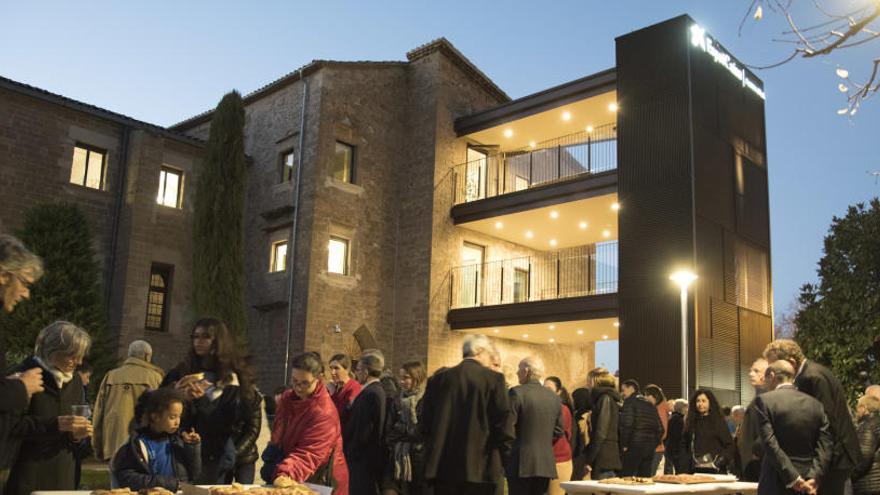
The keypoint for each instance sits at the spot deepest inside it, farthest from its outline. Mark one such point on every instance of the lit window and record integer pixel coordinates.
(288, 160)
(88, 166)
(343, 163)
(157, 298)
(337, 259)
(279, 257)
(170, 182)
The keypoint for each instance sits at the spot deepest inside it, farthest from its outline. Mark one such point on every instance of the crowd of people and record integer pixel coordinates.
(354, 425)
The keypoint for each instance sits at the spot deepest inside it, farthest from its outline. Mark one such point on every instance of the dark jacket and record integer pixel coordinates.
(536, 415)
(132, 470)
(674, 448)
(866, 477)
(246, 431)
(640, 426)
(748, 446)
(47, 457)
(817, 381)
(603, 453)
(796, 439)
(465, 424)
(13, 402)
(708, 435)
(363, 439)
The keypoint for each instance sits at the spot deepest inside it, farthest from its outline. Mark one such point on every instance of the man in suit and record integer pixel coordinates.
(795, 434)
(536, 414)
(465, 424)
(364, 431)
(747, 436)
(640, 431)
(817, 381)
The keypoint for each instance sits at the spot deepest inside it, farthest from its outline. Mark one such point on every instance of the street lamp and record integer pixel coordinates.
(684, 278)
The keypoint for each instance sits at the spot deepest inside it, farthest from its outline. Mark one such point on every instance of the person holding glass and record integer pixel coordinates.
(53, 430)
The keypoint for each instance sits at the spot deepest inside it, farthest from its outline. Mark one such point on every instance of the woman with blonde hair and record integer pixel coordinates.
(866, 477)
(50, 435)
(603, 453)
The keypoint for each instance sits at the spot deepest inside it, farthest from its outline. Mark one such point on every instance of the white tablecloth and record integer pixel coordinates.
(724, 487)
(322, 490)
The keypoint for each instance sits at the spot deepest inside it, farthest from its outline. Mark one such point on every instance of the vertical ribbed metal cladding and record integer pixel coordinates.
(756, 331)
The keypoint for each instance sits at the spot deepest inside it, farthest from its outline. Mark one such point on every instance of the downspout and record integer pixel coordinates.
(291, 242)
(120, 199)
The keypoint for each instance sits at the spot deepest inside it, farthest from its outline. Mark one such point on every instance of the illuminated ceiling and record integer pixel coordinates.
(563, 332)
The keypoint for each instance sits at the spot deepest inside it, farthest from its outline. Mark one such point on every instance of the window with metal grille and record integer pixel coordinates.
(158, 297)
(88, 166)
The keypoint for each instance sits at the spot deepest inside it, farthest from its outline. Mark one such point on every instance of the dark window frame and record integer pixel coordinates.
(90, 149)
(180, 174)
(167, 272)
(352, 176)
(284, 168)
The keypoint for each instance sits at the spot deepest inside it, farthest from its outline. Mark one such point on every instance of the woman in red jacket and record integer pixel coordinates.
(307, 430)
(343, 389)
(562, 445)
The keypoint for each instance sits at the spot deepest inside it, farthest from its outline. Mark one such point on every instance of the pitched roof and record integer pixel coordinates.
(42, 94)
(441, 44)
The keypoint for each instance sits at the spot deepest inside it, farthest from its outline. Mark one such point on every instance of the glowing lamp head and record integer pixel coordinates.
(683, 278)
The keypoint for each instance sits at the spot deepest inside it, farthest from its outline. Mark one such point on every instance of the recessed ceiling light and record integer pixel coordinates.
(498, 225)
(552, 242)
(589, 128)
(616, 323)
(606, 233)
(508, 133)
(582, 225)
(495, 330)
(532, 144)
(552, 340)
(525, 335)
(554, 214)
(552, 327)
(529, 234)
(615, 206)
(566, 115)
(613, 106)
(604, 337)
(580, 332)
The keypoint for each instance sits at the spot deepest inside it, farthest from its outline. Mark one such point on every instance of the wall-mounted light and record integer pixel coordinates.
(612, 107)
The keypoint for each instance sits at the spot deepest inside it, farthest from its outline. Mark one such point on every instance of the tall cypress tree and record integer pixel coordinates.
(218, 226)
(69, 290)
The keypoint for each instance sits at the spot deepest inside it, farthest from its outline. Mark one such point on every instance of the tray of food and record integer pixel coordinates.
(128, 491)
(627, 480)
(291, 488)
(685, 479)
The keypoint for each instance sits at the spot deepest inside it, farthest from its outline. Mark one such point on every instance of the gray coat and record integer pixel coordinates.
(536, 415)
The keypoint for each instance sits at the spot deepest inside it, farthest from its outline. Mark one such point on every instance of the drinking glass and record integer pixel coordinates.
(82, 410)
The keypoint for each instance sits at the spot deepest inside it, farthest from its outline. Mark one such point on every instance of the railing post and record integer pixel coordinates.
(477, 286)
(558, 161)
(557, 277)
(531, 154)
(503, 172)
(589, 153)
(529, 288)
(454, 187)
(502, 283)
(451, 285)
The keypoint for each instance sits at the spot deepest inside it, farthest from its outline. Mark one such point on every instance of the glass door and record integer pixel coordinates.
(471, 275)
(475, 174)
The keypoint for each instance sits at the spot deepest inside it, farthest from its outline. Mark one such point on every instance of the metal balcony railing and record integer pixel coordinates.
(560, 158)
(581, 271)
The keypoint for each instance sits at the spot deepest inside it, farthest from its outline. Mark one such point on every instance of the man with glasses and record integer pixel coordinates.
(19, 268)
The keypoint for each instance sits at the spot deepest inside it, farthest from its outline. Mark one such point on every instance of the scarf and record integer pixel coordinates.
(60, 377)
(408, 420)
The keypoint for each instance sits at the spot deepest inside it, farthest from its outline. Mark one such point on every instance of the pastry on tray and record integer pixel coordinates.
(627, 480)
(114, 491)
(685, 479)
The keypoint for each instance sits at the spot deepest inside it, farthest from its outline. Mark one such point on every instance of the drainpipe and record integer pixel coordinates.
(291, 242)
(120, 199)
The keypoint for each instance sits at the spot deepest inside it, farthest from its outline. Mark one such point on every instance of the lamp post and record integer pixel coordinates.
(684, 278)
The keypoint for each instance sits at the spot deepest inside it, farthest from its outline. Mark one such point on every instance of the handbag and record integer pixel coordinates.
(707, 462)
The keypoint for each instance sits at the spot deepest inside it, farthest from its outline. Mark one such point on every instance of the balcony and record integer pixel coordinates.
(575, 272)
(490, 173)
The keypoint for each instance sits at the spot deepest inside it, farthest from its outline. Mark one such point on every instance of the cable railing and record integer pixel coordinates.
(497, 173)
(581, 271)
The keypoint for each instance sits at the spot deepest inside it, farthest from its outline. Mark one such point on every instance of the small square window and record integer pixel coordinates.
(278, 261)
(88, 166)
(337, 257)
(288, 162)
(170, 187)
(343, 163)
(158, 297)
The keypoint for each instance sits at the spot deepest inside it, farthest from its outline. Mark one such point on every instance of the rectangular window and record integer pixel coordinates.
(288, 161)
(88, 167)
(343, 163)
(338, 255)
(170, 187)
(278, 261)
(520, 285)
(158, 297)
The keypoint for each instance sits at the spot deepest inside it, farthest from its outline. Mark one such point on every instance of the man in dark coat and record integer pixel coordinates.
(640, 431)
(817, 381)
(795, 434)
(603, 452)
(363, 433)
(465, 424)
(748, 436)
(536, 414)
(19, 268)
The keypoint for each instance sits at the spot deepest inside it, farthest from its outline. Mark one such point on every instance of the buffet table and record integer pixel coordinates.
(321, 490)
(719, 488)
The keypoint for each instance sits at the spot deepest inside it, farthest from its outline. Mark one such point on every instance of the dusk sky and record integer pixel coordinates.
(163, 61)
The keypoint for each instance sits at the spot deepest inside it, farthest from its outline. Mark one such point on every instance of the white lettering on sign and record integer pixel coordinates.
(704, 42)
